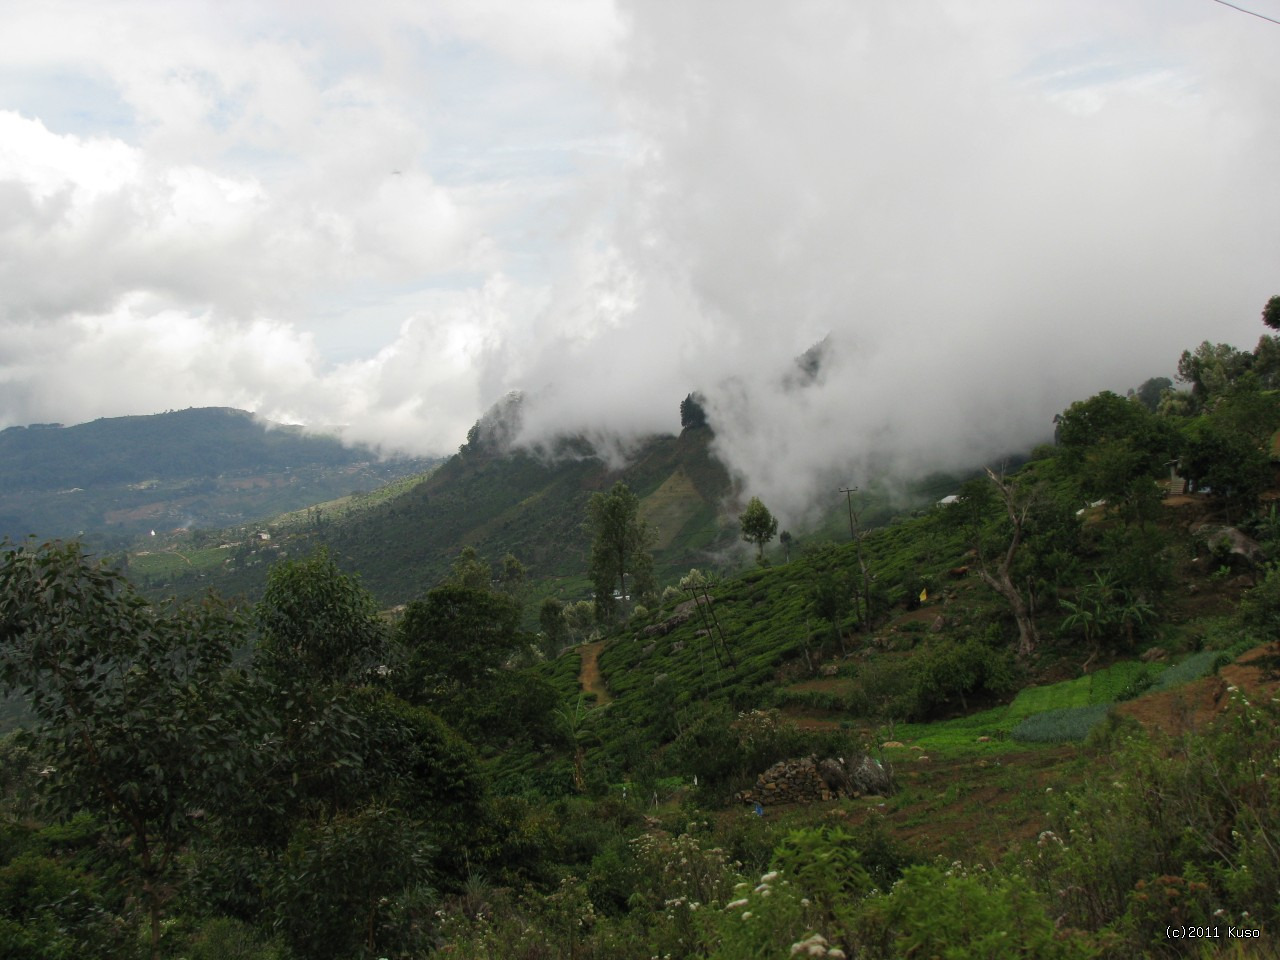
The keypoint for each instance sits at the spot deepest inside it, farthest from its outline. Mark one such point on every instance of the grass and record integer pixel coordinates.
(175, 563)
(1056, 713)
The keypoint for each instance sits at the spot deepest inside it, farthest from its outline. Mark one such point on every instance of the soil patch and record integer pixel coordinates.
(589, 673)
(1194, 706)
(965, 807)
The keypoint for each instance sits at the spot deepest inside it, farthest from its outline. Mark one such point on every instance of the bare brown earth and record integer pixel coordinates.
(1194, 706)
(589, 673)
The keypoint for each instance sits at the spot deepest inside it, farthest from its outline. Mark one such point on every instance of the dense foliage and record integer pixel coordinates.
(316, 778)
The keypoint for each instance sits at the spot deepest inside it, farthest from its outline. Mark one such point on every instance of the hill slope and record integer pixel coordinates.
(534, 508)
(211, 466)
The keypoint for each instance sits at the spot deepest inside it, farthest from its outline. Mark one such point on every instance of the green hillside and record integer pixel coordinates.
(1039, 720)
(114, 479)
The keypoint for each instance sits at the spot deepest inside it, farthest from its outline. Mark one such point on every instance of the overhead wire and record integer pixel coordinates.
(1260, 16)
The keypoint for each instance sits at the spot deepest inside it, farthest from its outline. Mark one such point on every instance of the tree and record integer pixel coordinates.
(1266, 362)
(555, 626)
(513, 578)
(1229, 448)
(1212, 368)
(995, 554)
(1229, 463)
(135, 715)
(621, 546)
(1271, 313)
(1116, 448)
(758, 526)
(786, 540)
(470, 571)
(692, 413)
(454, 638)
(318, 624)
(1150, 392)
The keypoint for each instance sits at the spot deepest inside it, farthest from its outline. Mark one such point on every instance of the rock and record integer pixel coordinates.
(937, 625)
(808, 780)
(889, 744)
(984, 739)
(1239, 544)
(870, 777)
(1155, 655)
(829, 669)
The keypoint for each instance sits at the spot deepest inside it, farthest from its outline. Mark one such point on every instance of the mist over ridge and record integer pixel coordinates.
(389, 221)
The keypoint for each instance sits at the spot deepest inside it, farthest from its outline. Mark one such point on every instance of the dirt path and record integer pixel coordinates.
(589, 674)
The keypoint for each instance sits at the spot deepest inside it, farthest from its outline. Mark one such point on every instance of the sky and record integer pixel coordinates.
(386, 216)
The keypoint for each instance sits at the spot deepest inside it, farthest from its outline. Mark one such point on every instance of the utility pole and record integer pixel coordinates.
(848, 494)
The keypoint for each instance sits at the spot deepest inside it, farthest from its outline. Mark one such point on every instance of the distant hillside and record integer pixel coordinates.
(534, 508)
(210, 467)
(499, 501)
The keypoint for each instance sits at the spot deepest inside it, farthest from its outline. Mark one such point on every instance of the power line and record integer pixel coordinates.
(1260, 16)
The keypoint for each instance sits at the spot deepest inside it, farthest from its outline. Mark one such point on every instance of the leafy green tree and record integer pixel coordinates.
(758, 525)
(1228, 462)
(1116, 447)
(1150, 392)
(1271, 313)
(454, 638)
(1266, 362)
(340, 879)
(555, 628)
(318, 625)
(1212, 368)
(620, 546)
(831, 598)
(470, 571)
(786, 540)
(581, 618)
(1248, 409)
(514, 578)
(135, 717)
(692, 413)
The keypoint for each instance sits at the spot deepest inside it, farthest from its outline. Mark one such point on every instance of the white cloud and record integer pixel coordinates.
(387, 216)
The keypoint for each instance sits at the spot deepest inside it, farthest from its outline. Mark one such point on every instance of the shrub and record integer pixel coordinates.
(1259, 611)
(954, 671)
(223, 938)
(1185, 826)
(951, 913)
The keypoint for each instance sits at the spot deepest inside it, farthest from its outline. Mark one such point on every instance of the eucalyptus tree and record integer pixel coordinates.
(620, 547)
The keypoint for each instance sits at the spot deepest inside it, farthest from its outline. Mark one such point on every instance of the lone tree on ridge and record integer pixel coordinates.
(758, 525)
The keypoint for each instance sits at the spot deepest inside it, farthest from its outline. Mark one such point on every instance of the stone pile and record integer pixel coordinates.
(809, 780)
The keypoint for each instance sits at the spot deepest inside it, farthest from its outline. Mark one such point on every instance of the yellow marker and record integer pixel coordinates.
(924, 595)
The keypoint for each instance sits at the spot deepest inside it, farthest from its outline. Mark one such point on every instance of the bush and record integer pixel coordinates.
(1259, 611)
(955, 671)
(1176, 830)
(223, 938)
(950, 913)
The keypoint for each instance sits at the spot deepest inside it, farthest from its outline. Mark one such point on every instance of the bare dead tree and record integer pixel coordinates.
(997, 572)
